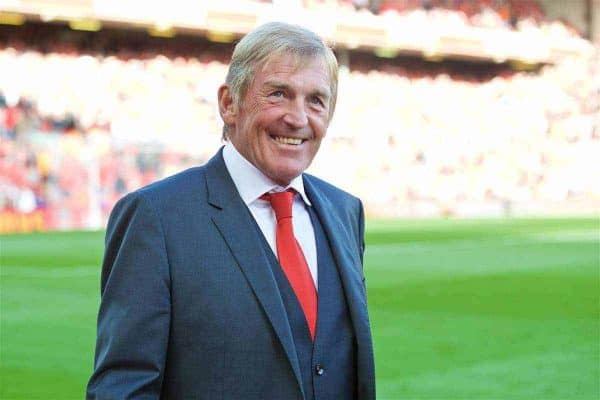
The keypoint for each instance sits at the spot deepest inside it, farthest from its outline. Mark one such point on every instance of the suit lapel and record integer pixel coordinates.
(234, 222)
(349, 267)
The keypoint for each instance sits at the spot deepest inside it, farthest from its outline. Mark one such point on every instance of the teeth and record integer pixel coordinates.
(286, 140)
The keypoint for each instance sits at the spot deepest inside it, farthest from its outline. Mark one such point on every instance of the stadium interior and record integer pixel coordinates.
(454, 125)
(469, 128)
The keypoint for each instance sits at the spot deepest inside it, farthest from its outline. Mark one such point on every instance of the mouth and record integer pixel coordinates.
(288, 140)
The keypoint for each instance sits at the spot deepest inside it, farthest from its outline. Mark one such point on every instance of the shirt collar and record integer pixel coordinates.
(250, 182)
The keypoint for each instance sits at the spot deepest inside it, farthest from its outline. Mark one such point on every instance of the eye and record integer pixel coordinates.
(277, 93)
(316, 100)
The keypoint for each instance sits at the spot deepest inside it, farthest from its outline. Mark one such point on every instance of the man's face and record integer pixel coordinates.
(283, 117)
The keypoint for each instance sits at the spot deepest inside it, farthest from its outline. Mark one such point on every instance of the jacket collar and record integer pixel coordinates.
(233, 219)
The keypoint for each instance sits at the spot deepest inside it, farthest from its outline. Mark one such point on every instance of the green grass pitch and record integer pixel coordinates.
(460, 309)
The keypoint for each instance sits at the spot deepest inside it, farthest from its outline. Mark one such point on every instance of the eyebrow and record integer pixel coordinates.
(275, 84)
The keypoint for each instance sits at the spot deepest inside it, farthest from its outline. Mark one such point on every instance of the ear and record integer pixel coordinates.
(227, 107)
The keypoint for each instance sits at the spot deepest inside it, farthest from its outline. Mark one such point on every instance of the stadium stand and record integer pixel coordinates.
(85, 118)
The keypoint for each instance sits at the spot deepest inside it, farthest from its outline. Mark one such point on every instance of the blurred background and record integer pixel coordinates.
(446, 108)
(469, 128)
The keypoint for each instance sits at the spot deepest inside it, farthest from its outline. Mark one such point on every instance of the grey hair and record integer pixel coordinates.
(269, 41)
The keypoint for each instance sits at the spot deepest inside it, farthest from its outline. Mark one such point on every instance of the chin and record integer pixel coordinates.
(286, 173)
(285, 178)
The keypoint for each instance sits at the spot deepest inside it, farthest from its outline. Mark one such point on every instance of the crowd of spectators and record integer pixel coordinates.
(79, 129)
(435, 145)
(504, 14)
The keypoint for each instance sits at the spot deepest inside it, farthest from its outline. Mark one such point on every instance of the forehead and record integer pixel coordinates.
(289, 67)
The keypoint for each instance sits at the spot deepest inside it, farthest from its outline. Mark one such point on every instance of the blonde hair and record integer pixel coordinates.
(270, 41)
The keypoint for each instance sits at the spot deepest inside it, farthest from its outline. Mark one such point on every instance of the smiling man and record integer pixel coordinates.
(242, 278)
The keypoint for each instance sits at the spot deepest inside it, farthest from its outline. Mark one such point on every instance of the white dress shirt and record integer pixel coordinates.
(251, 183)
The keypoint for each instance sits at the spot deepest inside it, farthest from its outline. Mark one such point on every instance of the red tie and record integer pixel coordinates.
(291, 257)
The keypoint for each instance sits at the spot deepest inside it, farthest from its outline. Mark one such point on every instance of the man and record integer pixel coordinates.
(242, 279)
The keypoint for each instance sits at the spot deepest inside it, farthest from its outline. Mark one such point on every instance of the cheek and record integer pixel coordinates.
(269, 121)
(319, 127)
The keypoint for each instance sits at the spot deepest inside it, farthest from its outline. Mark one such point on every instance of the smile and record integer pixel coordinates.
(287, 140)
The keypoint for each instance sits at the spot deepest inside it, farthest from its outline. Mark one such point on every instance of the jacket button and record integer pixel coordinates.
(319, 370)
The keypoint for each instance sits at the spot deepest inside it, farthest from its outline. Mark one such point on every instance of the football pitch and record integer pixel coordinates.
(460, 309)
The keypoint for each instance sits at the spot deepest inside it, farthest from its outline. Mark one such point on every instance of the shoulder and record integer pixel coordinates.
(184, 187)
(332, 192)
(332, 199)
(152, 196)
(337, 204)
(161, 198)
(172, 188)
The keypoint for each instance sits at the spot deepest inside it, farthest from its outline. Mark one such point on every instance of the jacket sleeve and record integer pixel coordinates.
(134, 315)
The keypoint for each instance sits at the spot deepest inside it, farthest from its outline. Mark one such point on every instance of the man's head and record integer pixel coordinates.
(278, 98)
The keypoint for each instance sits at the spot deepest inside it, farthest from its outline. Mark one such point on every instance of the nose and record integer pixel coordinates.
(295, 115)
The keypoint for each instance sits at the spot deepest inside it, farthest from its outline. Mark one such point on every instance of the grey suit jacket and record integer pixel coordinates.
(189, 307)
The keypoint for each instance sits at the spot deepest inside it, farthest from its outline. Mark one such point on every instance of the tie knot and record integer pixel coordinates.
(281, 203)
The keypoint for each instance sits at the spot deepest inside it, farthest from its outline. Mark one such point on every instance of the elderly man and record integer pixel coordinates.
(242, 279)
